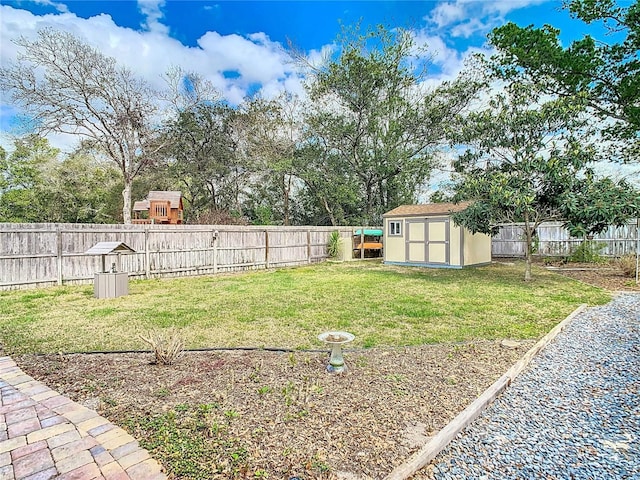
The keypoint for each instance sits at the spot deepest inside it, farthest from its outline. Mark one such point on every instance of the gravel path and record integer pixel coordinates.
(573, 414)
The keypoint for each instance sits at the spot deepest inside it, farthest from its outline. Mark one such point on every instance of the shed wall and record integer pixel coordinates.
(456, 243)
(477, 248)
(394, 245)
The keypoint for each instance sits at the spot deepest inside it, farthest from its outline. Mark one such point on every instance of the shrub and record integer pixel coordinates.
(167, 345)
(587, 252)
(333, 246)
(627, 263)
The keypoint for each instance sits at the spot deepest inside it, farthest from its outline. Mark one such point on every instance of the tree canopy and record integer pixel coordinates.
(603, 72)
(364, 140)
(64, 85)
(528, 160)
(36, 185)
(372, 111)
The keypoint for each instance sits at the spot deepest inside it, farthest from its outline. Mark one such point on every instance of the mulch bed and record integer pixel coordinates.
(291, 416)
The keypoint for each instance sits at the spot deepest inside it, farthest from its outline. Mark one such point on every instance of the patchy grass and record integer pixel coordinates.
(195, 439)
(381, 305)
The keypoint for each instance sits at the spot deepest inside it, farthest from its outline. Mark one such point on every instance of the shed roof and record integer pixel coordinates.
(427, 209)
(173, 197)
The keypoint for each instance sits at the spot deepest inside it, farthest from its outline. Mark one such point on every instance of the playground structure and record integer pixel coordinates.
(367, 243)
(161, 207)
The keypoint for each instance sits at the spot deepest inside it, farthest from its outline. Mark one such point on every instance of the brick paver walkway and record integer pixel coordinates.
(45, 435)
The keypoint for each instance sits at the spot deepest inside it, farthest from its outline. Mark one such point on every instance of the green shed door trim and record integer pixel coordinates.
(426, 243)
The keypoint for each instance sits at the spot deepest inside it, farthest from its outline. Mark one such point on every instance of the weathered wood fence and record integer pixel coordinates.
(554, 240)
(54, 254)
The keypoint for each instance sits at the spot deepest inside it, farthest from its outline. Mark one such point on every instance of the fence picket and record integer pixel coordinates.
(554, 240)
(47, 254)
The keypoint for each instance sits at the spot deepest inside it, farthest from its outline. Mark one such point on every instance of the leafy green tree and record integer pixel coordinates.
(524, 161)
(83, 187)
(330, 193)
(598, 203)
(25, 174)
(4, 182)
(603, 73)
(39, 186)
(64, 85)
(273, 133)
(372, 110)
(441, 196)
(201, 157)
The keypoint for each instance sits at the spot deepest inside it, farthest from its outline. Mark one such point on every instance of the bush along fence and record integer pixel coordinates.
(54, 254)
(554, 241)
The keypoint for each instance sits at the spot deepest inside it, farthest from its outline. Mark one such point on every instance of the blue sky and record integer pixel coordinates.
(310, 24)
(241, 46)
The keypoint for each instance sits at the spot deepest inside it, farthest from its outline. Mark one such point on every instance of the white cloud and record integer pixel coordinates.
(503, 7)
(255, 60)
(61, 7)
(447, 59)
(464, 18)
(445, 14)
(152, 10)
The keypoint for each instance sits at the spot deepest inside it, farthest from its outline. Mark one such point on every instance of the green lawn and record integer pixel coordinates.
(381, 305)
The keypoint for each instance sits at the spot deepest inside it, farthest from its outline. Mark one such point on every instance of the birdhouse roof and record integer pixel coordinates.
(105, 248)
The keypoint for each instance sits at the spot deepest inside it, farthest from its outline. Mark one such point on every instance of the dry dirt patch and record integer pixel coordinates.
(607, 276)
(283, 410)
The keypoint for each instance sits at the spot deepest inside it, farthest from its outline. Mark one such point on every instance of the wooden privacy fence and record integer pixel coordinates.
(54, 254)
(554, 240)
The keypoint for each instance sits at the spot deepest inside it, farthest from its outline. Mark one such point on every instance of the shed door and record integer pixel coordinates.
(428, 241)
(415, 241)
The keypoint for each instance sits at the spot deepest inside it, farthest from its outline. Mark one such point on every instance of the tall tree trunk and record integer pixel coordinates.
(369, 206)
(528, 252)
(126, 196)
(287, 192)
(527, 268)
(330, 212)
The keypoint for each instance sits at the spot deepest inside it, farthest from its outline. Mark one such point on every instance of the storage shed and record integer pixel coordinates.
(425, 235)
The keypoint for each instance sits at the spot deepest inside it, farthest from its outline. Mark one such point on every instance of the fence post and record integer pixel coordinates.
(361, 243)
(266, 249)
(147, 255)
(637, 247)
(215, 251)
(308, 246)
(59, 253)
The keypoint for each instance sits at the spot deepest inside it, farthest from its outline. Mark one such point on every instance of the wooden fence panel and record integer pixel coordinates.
(28, 259)
(554, 240)
(49, 254)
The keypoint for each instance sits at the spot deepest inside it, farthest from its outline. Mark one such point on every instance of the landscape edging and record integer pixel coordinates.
(438, 442)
